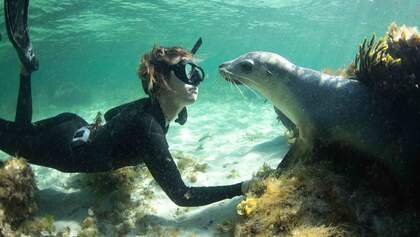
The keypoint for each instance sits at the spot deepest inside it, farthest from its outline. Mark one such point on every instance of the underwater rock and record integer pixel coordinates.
(38, 226)
(122, 196)
(313, 200)
(17, 187)
(89, 228)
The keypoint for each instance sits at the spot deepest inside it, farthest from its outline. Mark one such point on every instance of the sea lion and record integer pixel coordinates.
(329, 111)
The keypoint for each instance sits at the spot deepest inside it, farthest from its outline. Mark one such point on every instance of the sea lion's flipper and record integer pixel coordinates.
(16, 19)
(286, 122)
(298, 152)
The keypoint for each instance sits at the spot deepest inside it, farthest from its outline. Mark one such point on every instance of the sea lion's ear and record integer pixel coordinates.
(182, 116)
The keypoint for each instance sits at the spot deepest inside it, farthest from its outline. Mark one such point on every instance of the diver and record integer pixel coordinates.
(134, 133)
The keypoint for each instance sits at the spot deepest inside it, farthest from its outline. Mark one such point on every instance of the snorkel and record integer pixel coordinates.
(187, 71)
(183, 115)
(197, 45)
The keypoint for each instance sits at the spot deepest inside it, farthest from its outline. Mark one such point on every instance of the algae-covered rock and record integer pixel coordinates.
(17, 187)
(122, 198)
(38, 226)
(313, 200)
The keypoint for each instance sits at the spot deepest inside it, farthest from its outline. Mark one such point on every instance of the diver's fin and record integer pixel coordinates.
(16, 19)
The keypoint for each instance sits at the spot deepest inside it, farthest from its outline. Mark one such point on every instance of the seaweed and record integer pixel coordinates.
(313, 199)
(38, 226)
(17, 189)
(122, 198)
(390, 68)
(295, 203)
(89, 228)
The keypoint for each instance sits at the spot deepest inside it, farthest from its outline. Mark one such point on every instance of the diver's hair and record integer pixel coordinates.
(153, 71)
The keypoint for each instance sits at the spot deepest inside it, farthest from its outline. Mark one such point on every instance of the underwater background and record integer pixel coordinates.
(89, 53)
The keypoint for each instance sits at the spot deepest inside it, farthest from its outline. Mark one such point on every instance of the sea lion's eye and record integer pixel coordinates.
(246, 66)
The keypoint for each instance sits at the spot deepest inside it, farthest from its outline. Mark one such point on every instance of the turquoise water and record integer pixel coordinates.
(89, 50)
(89, 53)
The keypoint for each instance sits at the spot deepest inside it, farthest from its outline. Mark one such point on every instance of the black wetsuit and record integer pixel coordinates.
(133, 133)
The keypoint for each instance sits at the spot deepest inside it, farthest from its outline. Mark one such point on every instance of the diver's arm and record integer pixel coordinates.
(163, 168)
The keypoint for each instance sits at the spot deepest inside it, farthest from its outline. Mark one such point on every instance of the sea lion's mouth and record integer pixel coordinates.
(228, 76)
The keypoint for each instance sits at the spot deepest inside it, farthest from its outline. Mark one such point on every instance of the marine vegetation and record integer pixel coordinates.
(122, 199)
(312, 200)
(390, 67)
(89, 228)
(17, 189)
(37, 226)
(392, 63)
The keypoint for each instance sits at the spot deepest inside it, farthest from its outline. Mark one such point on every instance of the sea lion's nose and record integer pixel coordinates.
(225, 64)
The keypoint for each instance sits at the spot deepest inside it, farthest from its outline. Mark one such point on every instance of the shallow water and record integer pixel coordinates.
(89, 51)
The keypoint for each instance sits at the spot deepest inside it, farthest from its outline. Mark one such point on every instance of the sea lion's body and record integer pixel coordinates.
(329, 110)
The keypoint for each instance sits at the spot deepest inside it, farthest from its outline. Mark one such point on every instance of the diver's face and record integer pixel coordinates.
(183, 93)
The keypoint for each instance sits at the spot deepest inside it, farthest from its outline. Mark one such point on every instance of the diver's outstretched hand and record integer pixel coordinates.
(16, 19)
(249, 185)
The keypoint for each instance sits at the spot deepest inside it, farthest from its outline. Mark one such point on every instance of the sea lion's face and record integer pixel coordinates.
(258, 70)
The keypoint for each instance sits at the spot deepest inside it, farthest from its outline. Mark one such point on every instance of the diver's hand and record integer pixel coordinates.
(249, 185)
(245, 187)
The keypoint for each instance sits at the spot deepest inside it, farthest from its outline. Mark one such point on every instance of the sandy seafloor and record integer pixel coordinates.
(233, 137)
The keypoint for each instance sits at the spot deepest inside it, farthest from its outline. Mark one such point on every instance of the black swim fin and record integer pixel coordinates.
(16, 19)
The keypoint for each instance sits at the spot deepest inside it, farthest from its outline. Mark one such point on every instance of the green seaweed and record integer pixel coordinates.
(390, 67)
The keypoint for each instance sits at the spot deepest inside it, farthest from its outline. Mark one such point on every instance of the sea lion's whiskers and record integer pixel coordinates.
(230, 82)
(239, 89)
(248, 87)
(229, 76)
(253, 91)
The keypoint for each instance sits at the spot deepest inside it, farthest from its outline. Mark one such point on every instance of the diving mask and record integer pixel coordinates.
(188, 72)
